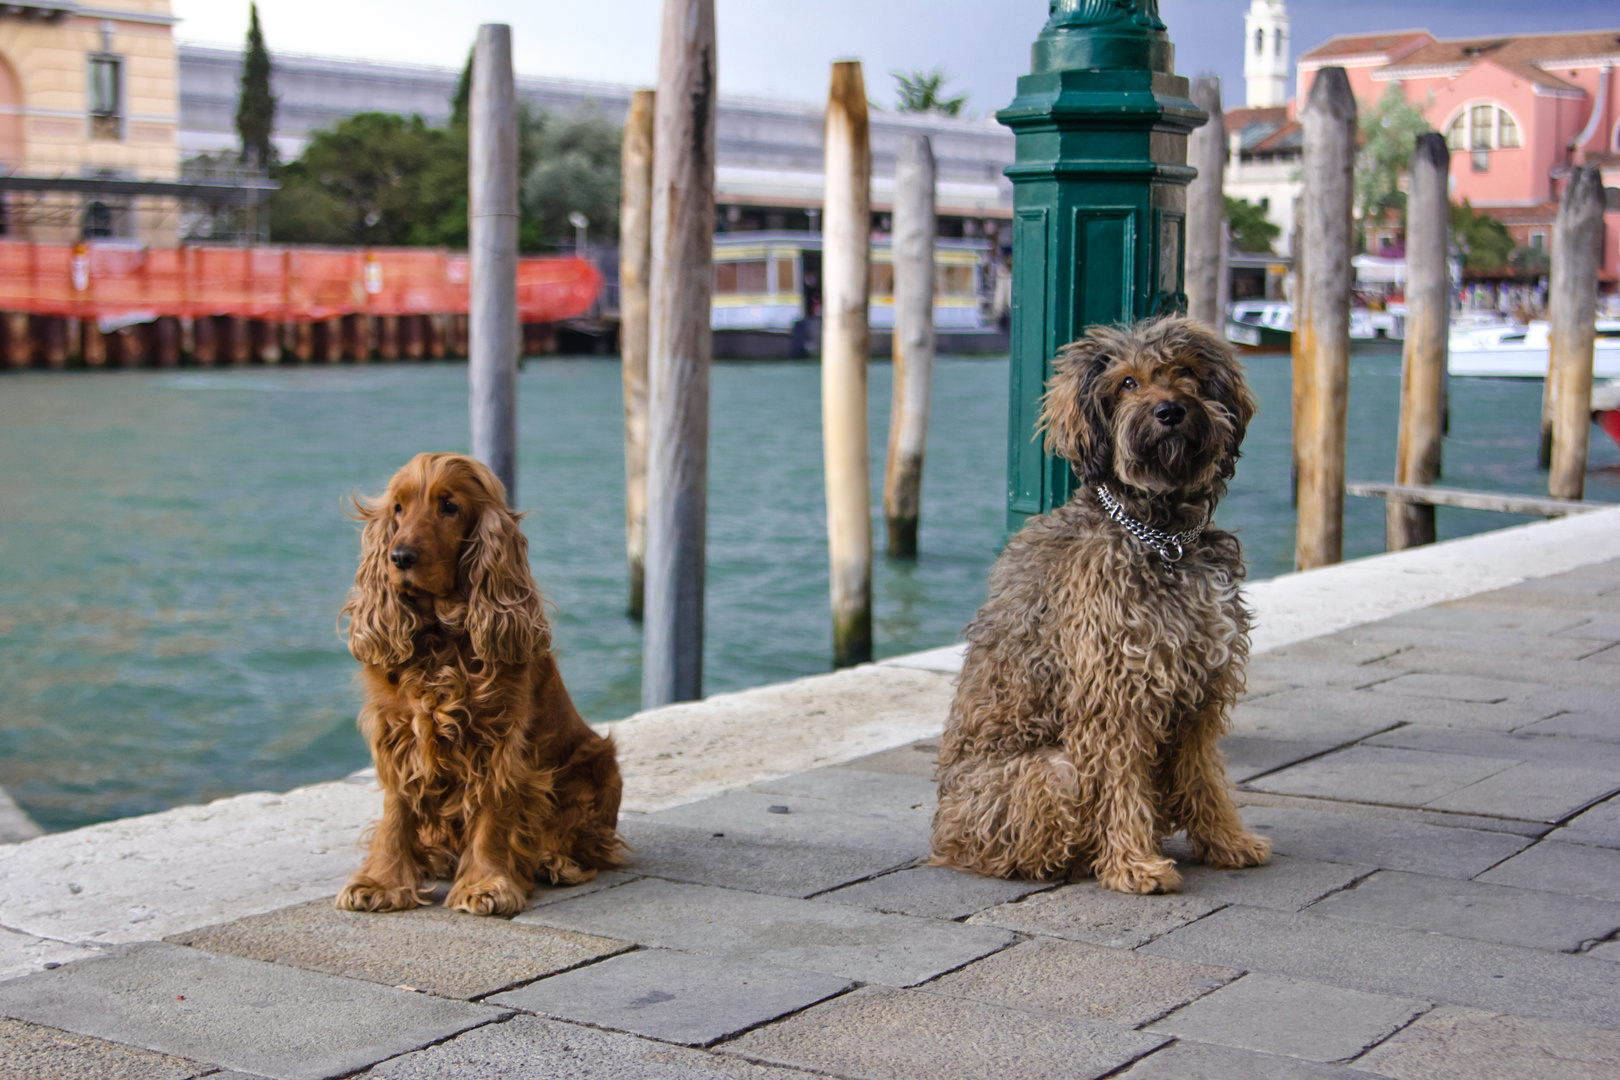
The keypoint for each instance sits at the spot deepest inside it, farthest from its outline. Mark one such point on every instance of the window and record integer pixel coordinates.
(106, 98)
(1483, 127)
(953, 281)
(746, 276)
(882, 280)
(1538, 241)
(1277, 43)
(1259, 42)
(784, 275)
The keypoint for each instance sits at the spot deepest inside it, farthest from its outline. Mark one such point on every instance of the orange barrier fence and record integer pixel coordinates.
(111, 280)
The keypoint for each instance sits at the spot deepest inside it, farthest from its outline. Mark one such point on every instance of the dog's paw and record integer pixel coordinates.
(488, 896)
(1235, 851)
(363, 893)
(562, 871)
(1140, 876)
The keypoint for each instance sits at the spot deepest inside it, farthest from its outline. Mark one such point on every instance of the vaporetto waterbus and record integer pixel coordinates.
(767, 296)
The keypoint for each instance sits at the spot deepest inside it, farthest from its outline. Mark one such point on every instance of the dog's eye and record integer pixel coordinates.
(448, 508)
(1184, 373)
(1129, 383)
(398, 509)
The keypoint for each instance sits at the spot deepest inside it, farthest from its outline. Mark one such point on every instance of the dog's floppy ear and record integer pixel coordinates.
(505, 615)
(1223, 385)
(1076, 414)
(380, 626)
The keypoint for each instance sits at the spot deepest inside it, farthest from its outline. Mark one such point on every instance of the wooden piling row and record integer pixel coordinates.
(1423, 358)
(1322, 319)
(635, 269)
(1206, 208)
(56, 342)
(1577, 256)
(914, 232)
(845, 339)
(680, 347)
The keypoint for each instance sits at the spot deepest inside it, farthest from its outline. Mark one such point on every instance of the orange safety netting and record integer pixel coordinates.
(113, 280)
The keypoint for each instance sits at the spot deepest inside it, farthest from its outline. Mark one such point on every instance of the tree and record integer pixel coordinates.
(1251, 229)
(923, 91)
(256, 106)
(1486, 243)
(576, 168)
(1389, 130)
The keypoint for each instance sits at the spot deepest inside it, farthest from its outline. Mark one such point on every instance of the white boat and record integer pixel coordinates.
(1269, 324)
(1513, 351)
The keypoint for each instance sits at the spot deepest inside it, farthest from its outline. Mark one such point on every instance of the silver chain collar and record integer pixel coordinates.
(1170, 546)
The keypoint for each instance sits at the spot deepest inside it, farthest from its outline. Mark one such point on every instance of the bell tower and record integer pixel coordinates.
(1265, 53)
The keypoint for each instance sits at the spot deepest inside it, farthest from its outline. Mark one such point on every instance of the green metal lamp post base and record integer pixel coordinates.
(1100, 205)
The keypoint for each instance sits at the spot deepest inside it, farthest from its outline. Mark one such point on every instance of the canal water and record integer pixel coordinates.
(173, 549)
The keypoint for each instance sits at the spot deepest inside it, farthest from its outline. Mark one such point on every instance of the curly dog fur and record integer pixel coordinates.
(489, 774)
(1097, 677)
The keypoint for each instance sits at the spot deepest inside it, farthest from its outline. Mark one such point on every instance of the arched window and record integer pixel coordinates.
(1483, 126)
(1260, 42)
(1277, 40)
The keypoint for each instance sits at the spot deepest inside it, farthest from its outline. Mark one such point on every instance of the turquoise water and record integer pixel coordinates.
(173, 551)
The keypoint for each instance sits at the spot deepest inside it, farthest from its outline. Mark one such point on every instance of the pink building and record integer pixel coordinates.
(1518, 112)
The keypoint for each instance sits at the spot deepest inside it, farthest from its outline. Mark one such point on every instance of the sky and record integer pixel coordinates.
(773, 48)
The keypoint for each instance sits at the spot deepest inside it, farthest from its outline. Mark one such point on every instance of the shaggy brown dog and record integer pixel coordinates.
(488, 772)
(1099, 671)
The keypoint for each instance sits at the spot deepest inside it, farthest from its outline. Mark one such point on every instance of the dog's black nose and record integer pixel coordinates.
(1169, 413)
(403, 557)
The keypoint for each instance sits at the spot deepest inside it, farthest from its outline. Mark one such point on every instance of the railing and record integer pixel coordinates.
(289, 284)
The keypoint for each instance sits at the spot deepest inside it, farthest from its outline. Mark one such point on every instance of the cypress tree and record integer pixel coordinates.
(256, 108)
(460, 103)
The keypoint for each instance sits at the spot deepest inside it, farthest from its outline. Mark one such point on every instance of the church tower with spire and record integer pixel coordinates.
(1265, 53)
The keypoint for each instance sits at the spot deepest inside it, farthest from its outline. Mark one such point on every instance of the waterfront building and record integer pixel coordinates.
(768, 152)
(88, 111)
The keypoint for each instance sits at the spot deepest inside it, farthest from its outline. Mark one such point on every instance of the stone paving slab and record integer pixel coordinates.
(678, 753)
(1391, 843)
(1519, 745)
(1274, 1014)
(1071, 978)
(1474, 621)
(21, 954)
(1454, 1043)
(933, 892)
(1599, 827)
(432, 949)
(530, 1048)
(1250, 756)
(1287, 883)
(1383, 775)
(885, 792)
(1534, 791)
(1600, 626)
(1474, 909)
(757, 864)
(1561, 647)
(259, 1018)
(1187, 1060)
(1558, 685)
(1610, 655)
(903, 833)
(34, 1052)
(1086, 911)
(674, 996)
(896, 950)
(1473, 689)
(143, 878)
(1403, 963)
(1576, 869)
(1341, 673)
(1583, 724)
(554, 894)
(917, 759)
(881, 1034)
(1347, 715)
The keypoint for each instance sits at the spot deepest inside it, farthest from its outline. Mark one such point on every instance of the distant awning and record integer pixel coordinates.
(239, 191)
(1372, 268)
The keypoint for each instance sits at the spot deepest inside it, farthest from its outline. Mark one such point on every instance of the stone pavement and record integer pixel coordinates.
(1444, 902)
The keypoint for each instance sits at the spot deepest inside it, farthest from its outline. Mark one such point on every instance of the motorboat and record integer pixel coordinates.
(1269, 324)
(1514, 351)
(1606, 408)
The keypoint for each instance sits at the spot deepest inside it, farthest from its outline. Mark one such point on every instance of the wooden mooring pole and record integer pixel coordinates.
(914, 232)
(1206, 208)
(680, 346)
(1577, 256)
(492, 241)
(1428, 322)
(635, 268)
(1322, 329)
(845, 347)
